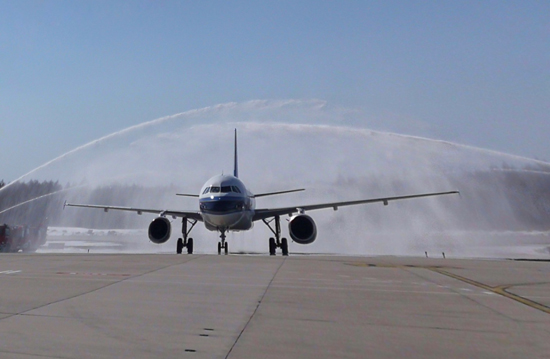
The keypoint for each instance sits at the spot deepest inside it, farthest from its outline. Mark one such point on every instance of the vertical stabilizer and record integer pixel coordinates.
(236, 164)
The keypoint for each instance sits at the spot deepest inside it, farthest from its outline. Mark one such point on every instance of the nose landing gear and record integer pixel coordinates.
(223, 244)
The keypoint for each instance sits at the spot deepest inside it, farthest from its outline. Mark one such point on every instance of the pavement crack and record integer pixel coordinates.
(257, 307)
(27, 311)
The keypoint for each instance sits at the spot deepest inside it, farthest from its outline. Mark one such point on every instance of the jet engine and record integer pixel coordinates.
(302, 229)
(159, 230)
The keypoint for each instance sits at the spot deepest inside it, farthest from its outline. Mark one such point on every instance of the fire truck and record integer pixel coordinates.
(21, 238)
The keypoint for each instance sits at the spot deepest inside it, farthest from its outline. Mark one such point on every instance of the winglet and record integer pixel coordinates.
(236, 163)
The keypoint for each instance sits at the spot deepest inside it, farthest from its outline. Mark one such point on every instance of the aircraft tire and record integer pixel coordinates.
(190, 246)
(179, 246)
(284, 246)
(272, 246)
(226, 248)
(219, 248)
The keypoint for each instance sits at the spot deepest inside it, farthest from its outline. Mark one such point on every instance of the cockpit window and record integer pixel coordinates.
(222, 189)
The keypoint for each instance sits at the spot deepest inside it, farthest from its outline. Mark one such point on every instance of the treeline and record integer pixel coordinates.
(37, 203)
(506, 199)
(498, 199)
(493, 199)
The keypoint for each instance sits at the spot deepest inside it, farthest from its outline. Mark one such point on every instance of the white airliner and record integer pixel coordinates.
(225, 204)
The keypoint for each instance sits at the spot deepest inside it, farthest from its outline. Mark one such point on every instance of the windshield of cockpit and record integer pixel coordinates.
(221, 189)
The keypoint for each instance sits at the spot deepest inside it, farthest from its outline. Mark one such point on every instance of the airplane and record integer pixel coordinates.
(225, 204)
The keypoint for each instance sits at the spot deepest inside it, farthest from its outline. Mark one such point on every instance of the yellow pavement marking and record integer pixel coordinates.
(499, 289)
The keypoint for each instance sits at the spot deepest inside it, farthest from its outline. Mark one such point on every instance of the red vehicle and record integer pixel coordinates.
(21, 238)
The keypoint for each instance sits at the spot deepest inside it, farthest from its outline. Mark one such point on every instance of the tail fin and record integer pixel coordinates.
(236, 164)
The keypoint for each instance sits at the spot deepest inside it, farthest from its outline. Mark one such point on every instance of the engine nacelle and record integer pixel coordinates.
(159, 230)
(302, 229)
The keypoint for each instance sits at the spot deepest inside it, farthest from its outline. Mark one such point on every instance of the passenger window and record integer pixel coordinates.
(214, 189)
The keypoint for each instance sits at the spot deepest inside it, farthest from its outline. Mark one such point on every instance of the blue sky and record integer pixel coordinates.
(473, 72)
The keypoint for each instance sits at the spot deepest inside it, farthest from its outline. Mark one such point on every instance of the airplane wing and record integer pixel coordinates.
(271, 212)
(187, 214)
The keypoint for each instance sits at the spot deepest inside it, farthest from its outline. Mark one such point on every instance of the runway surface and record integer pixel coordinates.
(238, 306)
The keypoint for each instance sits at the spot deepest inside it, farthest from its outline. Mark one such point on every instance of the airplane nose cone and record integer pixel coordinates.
(224, 220)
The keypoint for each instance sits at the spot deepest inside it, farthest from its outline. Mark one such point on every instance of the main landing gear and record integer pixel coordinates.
(186, 242)
(223, 244)
(276, 242)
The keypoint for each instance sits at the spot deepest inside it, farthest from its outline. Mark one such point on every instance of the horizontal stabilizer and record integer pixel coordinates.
(187, 195)
(274, 193)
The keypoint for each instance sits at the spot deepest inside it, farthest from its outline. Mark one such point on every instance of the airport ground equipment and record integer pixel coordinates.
(21, 238)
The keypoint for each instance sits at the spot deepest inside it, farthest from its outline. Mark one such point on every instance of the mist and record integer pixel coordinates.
(283, 145)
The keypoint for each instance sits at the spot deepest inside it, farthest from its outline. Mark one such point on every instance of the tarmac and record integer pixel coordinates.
(244, 306)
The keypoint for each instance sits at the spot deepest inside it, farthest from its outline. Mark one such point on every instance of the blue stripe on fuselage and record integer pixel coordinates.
(221, 204)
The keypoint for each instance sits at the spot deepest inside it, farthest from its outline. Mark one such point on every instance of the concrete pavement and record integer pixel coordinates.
(209, 306)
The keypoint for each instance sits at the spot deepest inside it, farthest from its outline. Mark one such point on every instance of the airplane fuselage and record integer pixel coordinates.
(226, 204)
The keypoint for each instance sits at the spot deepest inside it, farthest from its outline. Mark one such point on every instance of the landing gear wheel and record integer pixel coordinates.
(219, 248)
(179, 246)
(186, 242)
(190, 246)
(226, 248)
(272, 246)
(284, 246)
